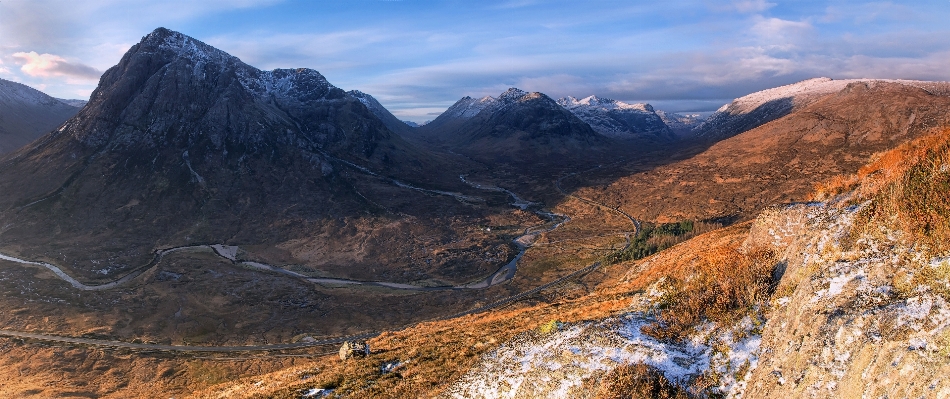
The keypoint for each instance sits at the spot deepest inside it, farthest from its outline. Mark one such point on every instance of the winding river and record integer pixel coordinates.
(503, 274)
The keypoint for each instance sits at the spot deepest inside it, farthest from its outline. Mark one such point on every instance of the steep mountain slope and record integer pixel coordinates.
(618, 119)
(781, 160)
(26, 113)
(183, 143)
(390, 120)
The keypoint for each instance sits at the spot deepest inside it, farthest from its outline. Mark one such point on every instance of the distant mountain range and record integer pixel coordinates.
(618, 119)
(27, 113)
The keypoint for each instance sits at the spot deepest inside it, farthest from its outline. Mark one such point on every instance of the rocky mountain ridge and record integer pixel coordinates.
(618, 119)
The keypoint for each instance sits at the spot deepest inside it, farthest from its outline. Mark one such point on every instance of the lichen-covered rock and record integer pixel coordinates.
(351, 349)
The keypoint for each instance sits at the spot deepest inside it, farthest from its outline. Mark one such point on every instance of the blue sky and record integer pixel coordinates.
(419, 57)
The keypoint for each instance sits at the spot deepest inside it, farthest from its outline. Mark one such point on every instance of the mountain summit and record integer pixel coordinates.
(514, 127)
(618, 119)
(171, 90)
(182, 142)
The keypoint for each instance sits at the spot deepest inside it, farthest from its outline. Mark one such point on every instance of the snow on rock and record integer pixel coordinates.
(842, 328)
(468, 107)
(618, 119)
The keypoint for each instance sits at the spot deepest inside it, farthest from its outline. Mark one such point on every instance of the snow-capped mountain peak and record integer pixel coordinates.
(603, 103)
(618, 119)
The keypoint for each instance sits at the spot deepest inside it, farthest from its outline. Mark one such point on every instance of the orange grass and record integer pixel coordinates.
(909, 189)
(723, 286)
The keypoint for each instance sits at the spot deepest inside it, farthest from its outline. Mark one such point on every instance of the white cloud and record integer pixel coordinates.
(51, 65)
(776, 29)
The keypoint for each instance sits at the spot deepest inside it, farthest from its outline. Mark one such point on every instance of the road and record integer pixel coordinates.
(183, 348)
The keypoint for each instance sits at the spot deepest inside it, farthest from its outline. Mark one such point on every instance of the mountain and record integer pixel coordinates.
(515, 127)
(618, 119)
(27, 113)
(390, 120)
(525, 127)
(756, 109)
(184, 143)
(464, 109)
(682, 125)
(74, 102)
(834, 133)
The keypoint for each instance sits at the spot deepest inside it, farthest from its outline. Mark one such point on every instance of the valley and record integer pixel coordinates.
(204, 228)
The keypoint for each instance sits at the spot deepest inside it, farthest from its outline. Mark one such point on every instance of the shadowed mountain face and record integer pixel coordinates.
(182, 143)
(26, 114)
(515, 128)
(390, 120)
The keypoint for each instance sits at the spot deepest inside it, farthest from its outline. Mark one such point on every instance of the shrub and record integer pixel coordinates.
(723, 286)
(908, 187)
(638, 381)
(550, 327)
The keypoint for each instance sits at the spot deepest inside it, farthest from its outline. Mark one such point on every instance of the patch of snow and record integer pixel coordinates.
(557, 364)
(316, 393)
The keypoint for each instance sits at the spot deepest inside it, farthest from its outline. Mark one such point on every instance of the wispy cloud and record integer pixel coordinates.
(51, 65)
(741, 6)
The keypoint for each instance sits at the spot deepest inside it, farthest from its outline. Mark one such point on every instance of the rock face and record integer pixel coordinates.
(26, 113)
(840, 326)
(182, 142)
(618, 119)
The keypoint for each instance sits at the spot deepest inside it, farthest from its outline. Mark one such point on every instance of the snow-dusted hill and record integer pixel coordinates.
(27, 113)
(619, 119)
(753, 110)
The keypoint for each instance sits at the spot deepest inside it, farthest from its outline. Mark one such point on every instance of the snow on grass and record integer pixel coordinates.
(557, 365)
(316, 393)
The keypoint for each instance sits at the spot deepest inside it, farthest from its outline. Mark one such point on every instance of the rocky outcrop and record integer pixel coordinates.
(351, 349)
(845, 320)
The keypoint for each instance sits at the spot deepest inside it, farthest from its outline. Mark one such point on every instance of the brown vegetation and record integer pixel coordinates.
(726, 284)
(638, 381)
(780, 161)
